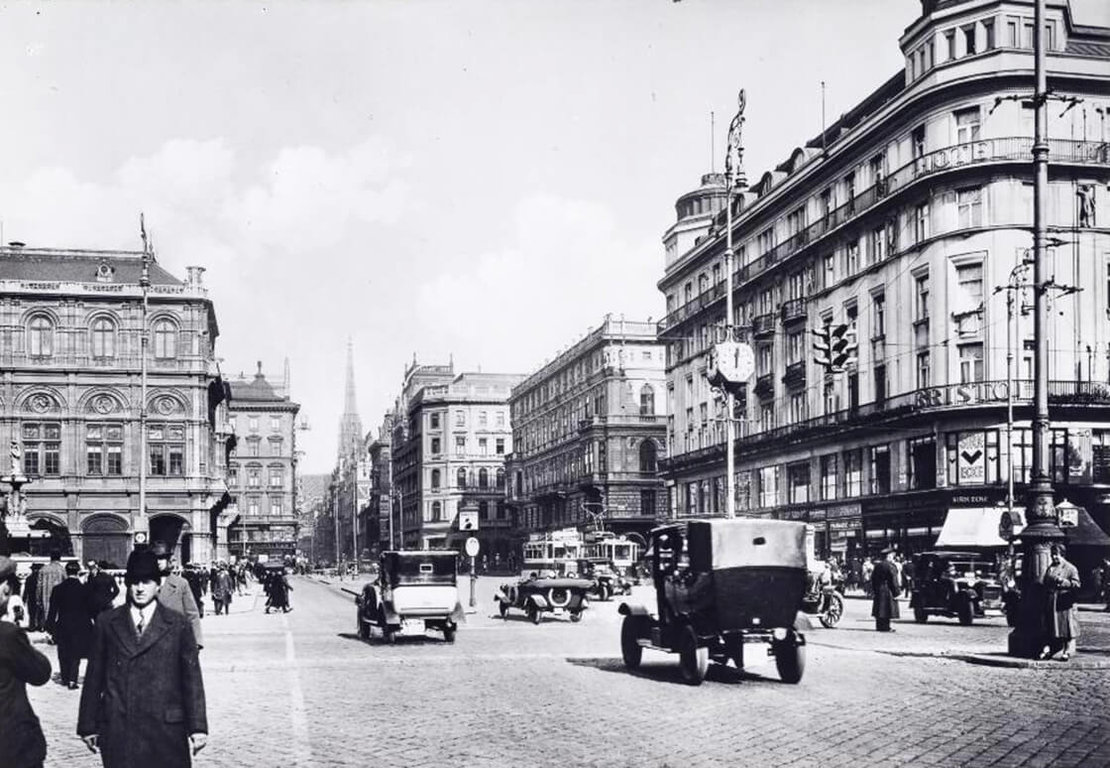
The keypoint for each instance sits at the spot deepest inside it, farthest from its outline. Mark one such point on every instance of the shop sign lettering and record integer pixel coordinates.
(962, 394)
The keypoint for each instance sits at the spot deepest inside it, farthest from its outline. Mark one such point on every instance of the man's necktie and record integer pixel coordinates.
(139, 626)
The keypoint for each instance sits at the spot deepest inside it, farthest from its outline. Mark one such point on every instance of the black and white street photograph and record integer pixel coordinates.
(594, 383)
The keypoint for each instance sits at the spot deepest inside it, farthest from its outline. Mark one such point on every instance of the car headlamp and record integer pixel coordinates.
(779, 633)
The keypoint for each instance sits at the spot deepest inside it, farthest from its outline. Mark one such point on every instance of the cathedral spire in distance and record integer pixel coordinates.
(350, 425)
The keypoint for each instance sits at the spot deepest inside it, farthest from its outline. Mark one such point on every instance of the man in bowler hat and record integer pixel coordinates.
(175, 593)
(143, 699)
(884, 590)
(22, 744)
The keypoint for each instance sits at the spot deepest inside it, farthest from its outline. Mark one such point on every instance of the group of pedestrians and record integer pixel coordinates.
(142, 703)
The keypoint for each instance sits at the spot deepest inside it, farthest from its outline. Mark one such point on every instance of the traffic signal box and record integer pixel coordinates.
(835, 346)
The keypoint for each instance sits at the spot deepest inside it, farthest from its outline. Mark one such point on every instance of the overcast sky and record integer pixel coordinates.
(477, 179)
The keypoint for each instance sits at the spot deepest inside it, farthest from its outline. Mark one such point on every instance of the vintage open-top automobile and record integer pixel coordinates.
(537, 595)
(606, 581)
(962, 585)
(412, 587)
(720, 585)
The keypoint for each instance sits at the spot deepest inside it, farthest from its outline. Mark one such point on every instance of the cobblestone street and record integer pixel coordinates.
(300, 689)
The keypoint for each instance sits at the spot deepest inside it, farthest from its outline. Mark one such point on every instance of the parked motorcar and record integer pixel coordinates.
(721, 585)
(412, 587)
(537, 595)
(961, 585)
(606, 581)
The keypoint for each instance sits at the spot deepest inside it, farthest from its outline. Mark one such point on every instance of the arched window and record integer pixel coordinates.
(103, 338)
(483, 510)
(647, 456)
(647, 400)
(437, 511)
(40, 337)
(500, 477)
(462, 477)
(165, 339)
(483, 478)
(435, 478)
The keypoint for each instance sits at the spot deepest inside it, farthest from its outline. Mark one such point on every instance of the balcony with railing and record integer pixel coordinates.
(793, 311)
(795, 375)
(765, 385)
(1005, 150)
(763, 325)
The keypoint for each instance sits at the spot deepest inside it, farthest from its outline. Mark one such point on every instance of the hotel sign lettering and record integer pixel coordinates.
(971, 152)
(964, 394)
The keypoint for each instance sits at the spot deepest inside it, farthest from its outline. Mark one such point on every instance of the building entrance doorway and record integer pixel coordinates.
(176, 533)
(105, 538)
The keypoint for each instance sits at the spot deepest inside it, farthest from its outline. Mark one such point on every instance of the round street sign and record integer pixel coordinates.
(472, 547)
(140, 537)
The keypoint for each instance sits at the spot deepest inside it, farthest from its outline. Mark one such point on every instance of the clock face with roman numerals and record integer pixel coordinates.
(733, 362)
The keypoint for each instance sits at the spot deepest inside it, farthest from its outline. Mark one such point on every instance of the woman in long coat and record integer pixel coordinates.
(1061, 582)
(884, 590)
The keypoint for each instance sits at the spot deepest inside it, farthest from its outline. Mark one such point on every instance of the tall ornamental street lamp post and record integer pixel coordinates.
(1028, 636)
(732, 362)
(141, 525)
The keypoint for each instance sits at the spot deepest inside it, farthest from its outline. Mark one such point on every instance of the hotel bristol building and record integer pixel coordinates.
(906, 218)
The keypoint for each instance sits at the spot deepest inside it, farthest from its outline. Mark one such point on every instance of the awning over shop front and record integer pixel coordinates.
(1085, 531)
(972, 527)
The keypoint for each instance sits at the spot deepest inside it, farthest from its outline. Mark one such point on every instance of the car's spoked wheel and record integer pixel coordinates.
(603, 592)
(692, 659)
(576, 616)
(831, 617)
(631, 651)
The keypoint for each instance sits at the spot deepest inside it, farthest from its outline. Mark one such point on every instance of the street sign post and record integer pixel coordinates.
(472, 548)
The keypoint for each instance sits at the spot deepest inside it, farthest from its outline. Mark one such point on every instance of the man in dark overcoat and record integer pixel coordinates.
(70, 624)
(102, 589)
(884, 590)
(21, 741)
(143, 700)
(51, 575)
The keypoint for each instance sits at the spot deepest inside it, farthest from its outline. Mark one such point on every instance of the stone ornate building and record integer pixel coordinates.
(262, 470)
(906, 220)
(588, 432)
(71, 323)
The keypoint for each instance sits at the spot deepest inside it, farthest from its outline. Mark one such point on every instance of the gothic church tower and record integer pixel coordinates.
(350, 425)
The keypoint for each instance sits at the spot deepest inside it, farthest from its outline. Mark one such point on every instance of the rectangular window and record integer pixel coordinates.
(501, 419)
(797, 482)
(988, 34)
(971, 363)
(433, 421)
(923, 376)
(1012, 38)
(968, 311)
(460, 446)
(797, 407)
(460, 418)
(921, 298)
(969, 204)
(483, 418)
(276, 477)
(879, 460)
(922, 455)
(850, 191)
(254, 477)
(969, 39)
(166, 444)
(878, 315)
(795, 347)
(276, 507)
(275, 424)
(828, 477)
(851, 257)
(436, 446)
(499, 447)
(921, 222)
(829, 270)
(917, 140)
(828, 203)
(42, 448)
(877, 244)
(853, 472)
(950, 45)
(104, 449)
(483, 446)
(766, 240)
(252, 423)
(252, 506)
(768, 486)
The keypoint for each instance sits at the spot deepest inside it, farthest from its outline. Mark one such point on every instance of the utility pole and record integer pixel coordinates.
(1027, 638)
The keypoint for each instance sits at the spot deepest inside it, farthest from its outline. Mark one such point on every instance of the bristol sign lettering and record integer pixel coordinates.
(964, 394)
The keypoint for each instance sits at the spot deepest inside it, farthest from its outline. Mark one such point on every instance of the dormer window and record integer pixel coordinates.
(104, 272)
